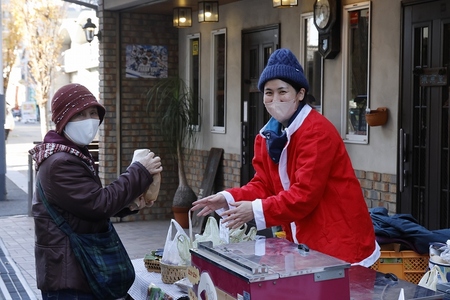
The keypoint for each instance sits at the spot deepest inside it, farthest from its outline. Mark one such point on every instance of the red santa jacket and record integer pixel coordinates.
(312, 191)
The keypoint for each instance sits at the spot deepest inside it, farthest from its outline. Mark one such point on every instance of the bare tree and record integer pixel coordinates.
(42, 42)
(12, 40)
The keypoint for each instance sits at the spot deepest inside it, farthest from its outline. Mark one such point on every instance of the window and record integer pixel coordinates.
(356, 70)
(193, 75)
(311, 60)
(218, 94)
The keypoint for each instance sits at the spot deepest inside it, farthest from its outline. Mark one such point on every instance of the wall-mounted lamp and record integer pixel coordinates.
(284, 3)
(182, 17)
(208, 11)
(89, 31)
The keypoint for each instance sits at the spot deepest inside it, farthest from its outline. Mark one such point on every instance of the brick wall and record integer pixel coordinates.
(228, 173)
(378, 189)
(127, 125)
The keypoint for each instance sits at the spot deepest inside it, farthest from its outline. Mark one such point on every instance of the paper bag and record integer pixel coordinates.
(150, 195)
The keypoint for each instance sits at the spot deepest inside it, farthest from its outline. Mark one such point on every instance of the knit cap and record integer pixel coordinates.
(70, 100)
(283, 65)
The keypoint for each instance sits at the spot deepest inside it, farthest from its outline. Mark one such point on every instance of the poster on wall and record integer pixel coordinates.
(146, 61)
(29, 112)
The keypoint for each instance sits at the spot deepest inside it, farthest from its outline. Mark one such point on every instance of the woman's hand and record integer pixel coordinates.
(152, 163)
(210, 204)
(236, 217)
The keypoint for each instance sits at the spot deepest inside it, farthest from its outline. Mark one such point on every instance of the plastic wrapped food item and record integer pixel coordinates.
(440, 253)
(155, 293)
(445, 254)
(148, 198)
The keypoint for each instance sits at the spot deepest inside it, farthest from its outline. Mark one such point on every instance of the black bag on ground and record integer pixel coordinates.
(102, 256)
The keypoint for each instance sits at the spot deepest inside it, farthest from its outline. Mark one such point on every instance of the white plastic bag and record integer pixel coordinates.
(251, 235)
(219, 234)
(176, 248)
(432, 278)
(445, 255)
(9, 121)
(211, 233)
(224, 232)
(236, 235)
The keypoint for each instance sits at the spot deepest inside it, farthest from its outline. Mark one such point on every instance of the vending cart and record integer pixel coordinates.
(270, 268)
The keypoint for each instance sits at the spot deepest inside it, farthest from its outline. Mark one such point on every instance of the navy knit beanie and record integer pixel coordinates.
(283, 65)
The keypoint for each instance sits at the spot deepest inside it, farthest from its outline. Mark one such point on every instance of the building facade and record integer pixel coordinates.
(390, 55)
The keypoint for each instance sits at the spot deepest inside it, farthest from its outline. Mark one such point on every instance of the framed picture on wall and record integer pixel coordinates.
(146, 61)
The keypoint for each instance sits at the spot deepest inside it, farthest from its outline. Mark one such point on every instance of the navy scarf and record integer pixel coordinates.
(276, 137)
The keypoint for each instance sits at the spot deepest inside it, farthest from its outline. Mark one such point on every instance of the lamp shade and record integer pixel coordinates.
(284, 3)
(89, 29)
(182, 17)
(208, 11)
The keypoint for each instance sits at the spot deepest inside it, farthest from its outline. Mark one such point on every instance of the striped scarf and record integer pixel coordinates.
(43, 151)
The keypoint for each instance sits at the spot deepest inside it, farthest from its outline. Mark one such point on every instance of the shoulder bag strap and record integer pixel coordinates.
(59, 220)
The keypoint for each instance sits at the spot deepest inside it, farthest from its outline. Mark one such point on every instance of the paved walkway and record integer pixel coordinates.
(17, 234)
(17, 228)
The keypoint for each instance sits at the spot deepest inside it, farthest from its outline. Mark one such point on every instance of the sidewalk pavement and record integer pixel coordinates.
(17, 264)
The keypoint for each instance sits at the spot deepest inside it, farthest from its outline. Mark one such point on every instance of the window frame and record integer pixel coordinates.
(189, 71)
(353, 138)
(303, 59)
(213, 91)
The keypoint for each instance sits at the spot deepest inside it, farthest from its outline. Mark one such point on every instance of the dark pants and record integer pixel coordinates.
(7, 133)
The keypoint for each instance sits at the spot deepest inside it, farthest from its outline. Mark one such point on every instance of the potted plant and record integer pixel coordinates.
(172, 101)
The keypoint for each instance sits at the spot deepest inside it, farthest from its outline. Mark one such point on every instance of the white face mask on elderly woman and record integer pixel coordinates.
(281, 111)
(83, 132)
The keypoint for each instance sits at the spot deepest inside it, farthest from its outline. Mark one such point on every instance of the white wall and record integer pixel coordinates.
(380, 154)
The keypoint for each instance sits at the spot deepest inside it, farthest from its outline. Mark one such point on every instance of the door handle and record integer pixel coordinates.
(244, 135)
(244, 143)
(403, 158)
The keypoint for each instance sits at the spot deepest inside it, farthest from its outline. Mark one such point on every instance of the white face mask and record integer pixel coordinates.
(281, 111)
(83, 132)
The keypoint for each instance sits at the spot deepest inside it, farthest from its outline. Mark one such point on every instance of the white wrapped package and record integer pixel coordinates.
(151, 194)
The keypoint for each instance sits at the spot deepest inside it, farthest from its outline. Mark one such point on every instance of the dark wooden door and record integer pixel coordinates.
(423, 159)
(257, 46)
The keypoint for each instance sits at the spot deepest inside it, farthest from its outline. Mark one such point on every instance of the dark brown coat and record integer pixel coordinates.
(72, 188)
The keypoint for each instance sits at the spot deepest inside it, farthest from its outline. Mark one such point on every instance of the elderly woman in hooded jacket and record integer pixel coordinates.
(304, 180)
(69, 179)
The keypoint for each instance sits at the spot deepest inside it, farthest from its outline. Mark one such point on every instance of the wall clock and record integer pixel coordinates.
(327, 19)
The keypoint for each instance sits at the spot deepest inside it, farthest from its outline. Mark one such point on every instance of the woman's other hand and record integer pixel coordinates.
(210, 204)
(152, 163)
(236, 217)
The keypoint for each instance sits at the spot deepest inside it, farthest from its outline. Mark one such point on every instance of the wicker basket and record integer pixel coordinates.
(377, 117)
(152, 265)
(172, 273)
